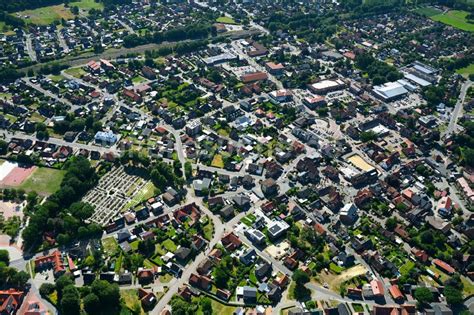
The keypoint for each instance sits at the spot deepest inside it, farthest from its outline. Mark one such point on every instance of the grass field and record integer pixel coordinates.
(217, 161)
(169, 245)
(456, 19)
(110, 245)
(225, 20)
(43, 180)
(427, 11)
(46, 15)
(138, 79)
(467, 70)
(87, 5)
(76, 72)
(49, 14)
(221, 309)
(130, 299)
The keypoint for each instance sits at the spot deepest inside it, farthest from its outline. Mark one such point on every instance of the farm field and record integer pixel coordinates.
(456, 19)
(49, 14)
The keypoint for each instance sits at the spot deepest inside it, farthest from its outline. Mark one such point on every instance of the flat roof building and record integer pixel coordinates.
(390, 91)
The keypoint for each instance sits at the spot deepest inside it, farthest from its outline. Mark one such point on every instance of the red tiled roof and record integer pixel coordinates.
(395, 292)
(252, 77)
(444, 266)
(377, 287)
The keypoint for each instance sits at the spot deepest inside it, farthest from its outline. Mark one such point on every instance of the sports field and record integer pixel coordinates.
(43, 180)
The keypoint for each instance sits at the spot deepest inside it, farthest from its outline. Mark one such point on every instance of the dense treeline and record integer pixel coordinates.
(11, 20)
(8, 75)
(193, 31)
(378, 71)
(61, 215)
(19, 5)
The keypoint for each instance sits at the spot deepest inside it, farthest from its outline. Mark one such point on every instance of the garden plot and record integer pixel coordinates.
(114, 191)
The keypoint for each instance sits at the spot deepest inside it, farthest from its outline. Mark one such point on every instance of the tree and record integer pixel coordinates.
(147, 248)
(20, 279)
(206, 306)
(46, 289)
(3, 147)
(70, 301)
(188, 169)
(220, 277)
(108, 294)
(91, 304)
(136, 261)
(300, 292)
(453, 295)
(423, 296)
(180, 307)
(4, 256)
(62, 283)
(300, 277)
(391, 224)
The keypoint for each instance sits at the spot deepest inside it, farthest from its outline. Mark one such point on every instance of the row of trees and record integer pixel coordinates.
(193, 31)
(61, 214)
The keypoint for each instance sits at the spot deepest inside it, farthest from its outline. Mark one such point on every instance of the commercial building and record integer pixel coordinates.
(326, 86)
(214, 60)
(390, 91)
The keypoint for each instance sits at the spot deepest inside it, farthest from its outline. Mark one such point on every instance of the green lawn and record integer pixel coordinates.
(110, 245)
(76, 72)
(246, 221)
(358, 307)
(456, 19)
(46, 15)
(217, 161)
(138, 79)
(134, 244)
(169, 245)
(207, 230)
(130, 299)
(43, 180)
(87, 5)
(165, 278)
(466, 70)
(225, 20)
(118, 263)
(405, 269)
(335, 268)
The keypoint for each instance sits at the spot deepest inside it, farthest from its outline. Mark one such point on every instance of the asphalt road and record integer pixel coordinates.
(458, 109)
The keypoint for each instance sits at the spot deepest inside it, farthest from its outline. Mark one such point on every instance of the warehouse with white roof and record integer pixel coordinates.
(390, 91)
